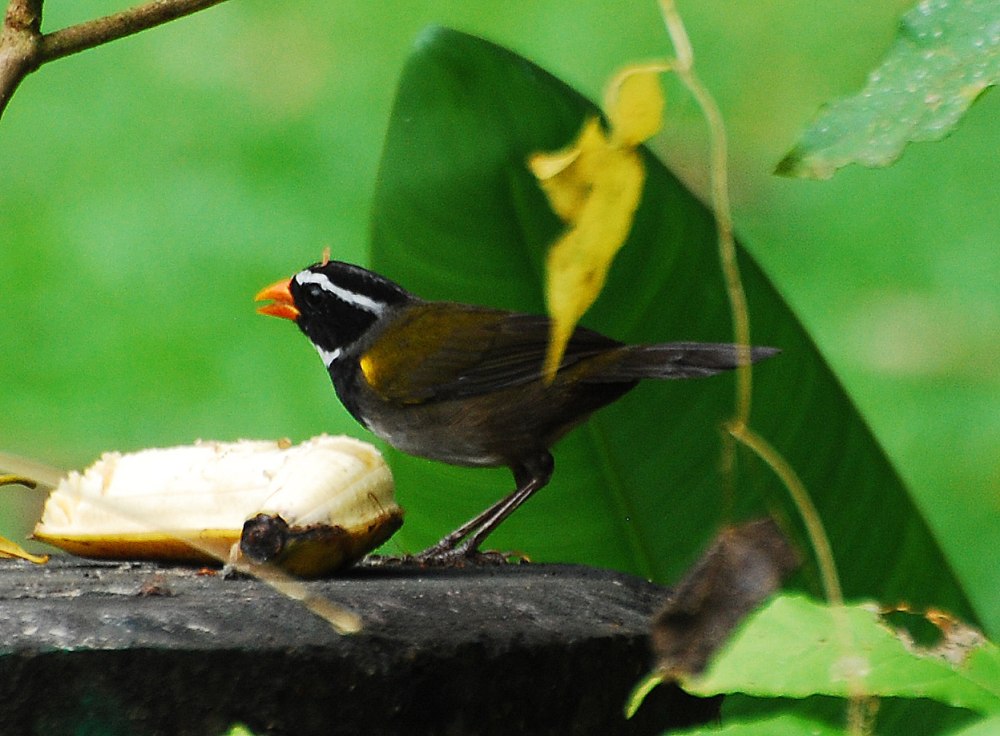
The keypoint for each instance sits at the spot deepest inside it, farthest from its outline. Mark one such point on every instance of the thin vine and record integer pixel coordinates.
(738, 427)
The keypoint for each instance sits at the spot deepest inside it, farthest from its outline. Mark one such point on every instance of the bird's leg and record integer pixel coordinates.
(529, 477)
(470, 547)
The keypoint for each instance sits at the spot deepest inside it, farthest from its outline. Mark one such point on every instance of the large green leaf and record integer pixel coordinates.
(986, 727)
(638, 488)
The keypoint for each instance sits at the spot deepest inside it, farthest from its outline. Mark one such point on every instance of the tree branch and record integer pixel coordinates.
(92, 33)
(19, 40)
(23, 48)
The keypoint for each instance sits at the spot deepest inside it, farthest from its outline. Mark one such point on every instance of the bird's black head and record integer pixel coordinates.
(333, 303)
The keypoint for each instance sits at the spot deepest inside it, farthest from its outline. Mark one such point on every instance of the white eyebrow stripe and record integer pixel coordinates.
(358, 300)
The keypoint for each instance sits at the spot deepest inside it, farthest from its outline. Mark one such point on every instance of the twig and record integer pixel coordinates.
(112, 27)
(19, 41)
(23, 47)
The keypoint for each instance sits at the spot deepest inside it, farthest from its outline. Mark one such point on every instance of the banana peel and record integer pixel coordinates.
(330, 498)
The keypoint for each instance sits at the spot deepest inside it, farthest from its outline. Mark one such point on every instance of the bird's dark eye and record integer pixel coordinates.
(312, 294)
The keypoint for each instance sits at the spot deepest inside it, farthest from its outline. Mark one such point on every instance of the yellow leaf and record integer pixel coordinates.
(566, 175)
(19, 480)
(594, 185)
(578, 263)
(16, 551)
(634, 103)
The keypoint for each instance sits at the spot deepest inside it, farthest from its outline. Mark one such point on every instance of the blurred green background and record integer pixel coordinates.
(148, 188)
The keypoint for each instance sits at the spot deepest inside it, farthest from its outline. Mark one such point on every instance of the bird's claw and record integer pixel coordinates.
(455, 557)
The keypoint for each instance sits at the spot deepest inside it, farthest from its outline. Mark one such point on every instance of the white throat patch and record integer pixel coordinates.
(358, 300)
(328, 356)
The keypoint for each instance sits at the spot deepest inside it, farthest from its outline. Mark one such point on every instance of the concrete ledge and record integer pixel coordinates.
(138, 648)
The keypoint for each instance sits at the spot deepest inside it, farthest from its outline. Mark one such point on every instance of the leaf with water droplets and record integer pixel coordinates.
(947, 52)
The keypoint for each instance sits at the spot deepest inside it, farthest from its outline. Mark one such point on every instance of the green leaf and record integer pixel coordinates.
(795, 647)
(782, 724)
(238, 729)
(790, 720)
(986, 727)
(638, 488)
(946, 54)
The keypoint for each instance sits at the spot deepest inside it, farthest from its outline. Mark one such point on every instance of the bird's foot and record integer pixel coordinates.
(462, 556)
(438, 555)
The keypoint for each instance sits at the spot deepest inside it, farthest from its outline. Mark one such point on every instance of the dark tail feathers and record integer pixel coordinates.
(677, 360)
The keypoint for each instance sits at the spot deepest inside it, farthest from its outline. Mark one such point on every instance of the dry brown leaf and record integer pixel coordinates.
(744, 565)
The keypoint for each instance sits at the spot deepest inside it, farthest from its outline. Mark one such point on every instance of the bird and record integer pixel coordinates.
(464, 384)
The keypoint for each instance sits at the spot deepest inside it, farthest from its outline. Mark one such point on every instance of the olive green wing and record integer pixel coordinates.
(441, 351)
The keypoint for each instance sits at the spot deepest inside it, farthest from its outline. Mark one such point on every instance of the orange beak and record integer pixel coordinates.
(280, 294)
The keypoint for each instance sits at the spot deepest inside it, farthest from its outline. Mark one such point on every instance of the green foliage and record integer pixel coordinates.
(986, 727)
(784, 724)
(456, 215)
(946, 55)
(797, 724)
(794, 648)
(238, 729)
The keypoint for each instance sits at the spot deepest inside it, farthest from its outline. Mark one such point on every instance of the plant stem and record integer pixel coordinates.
(738, 427)
(800, 496)
(718, 176)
